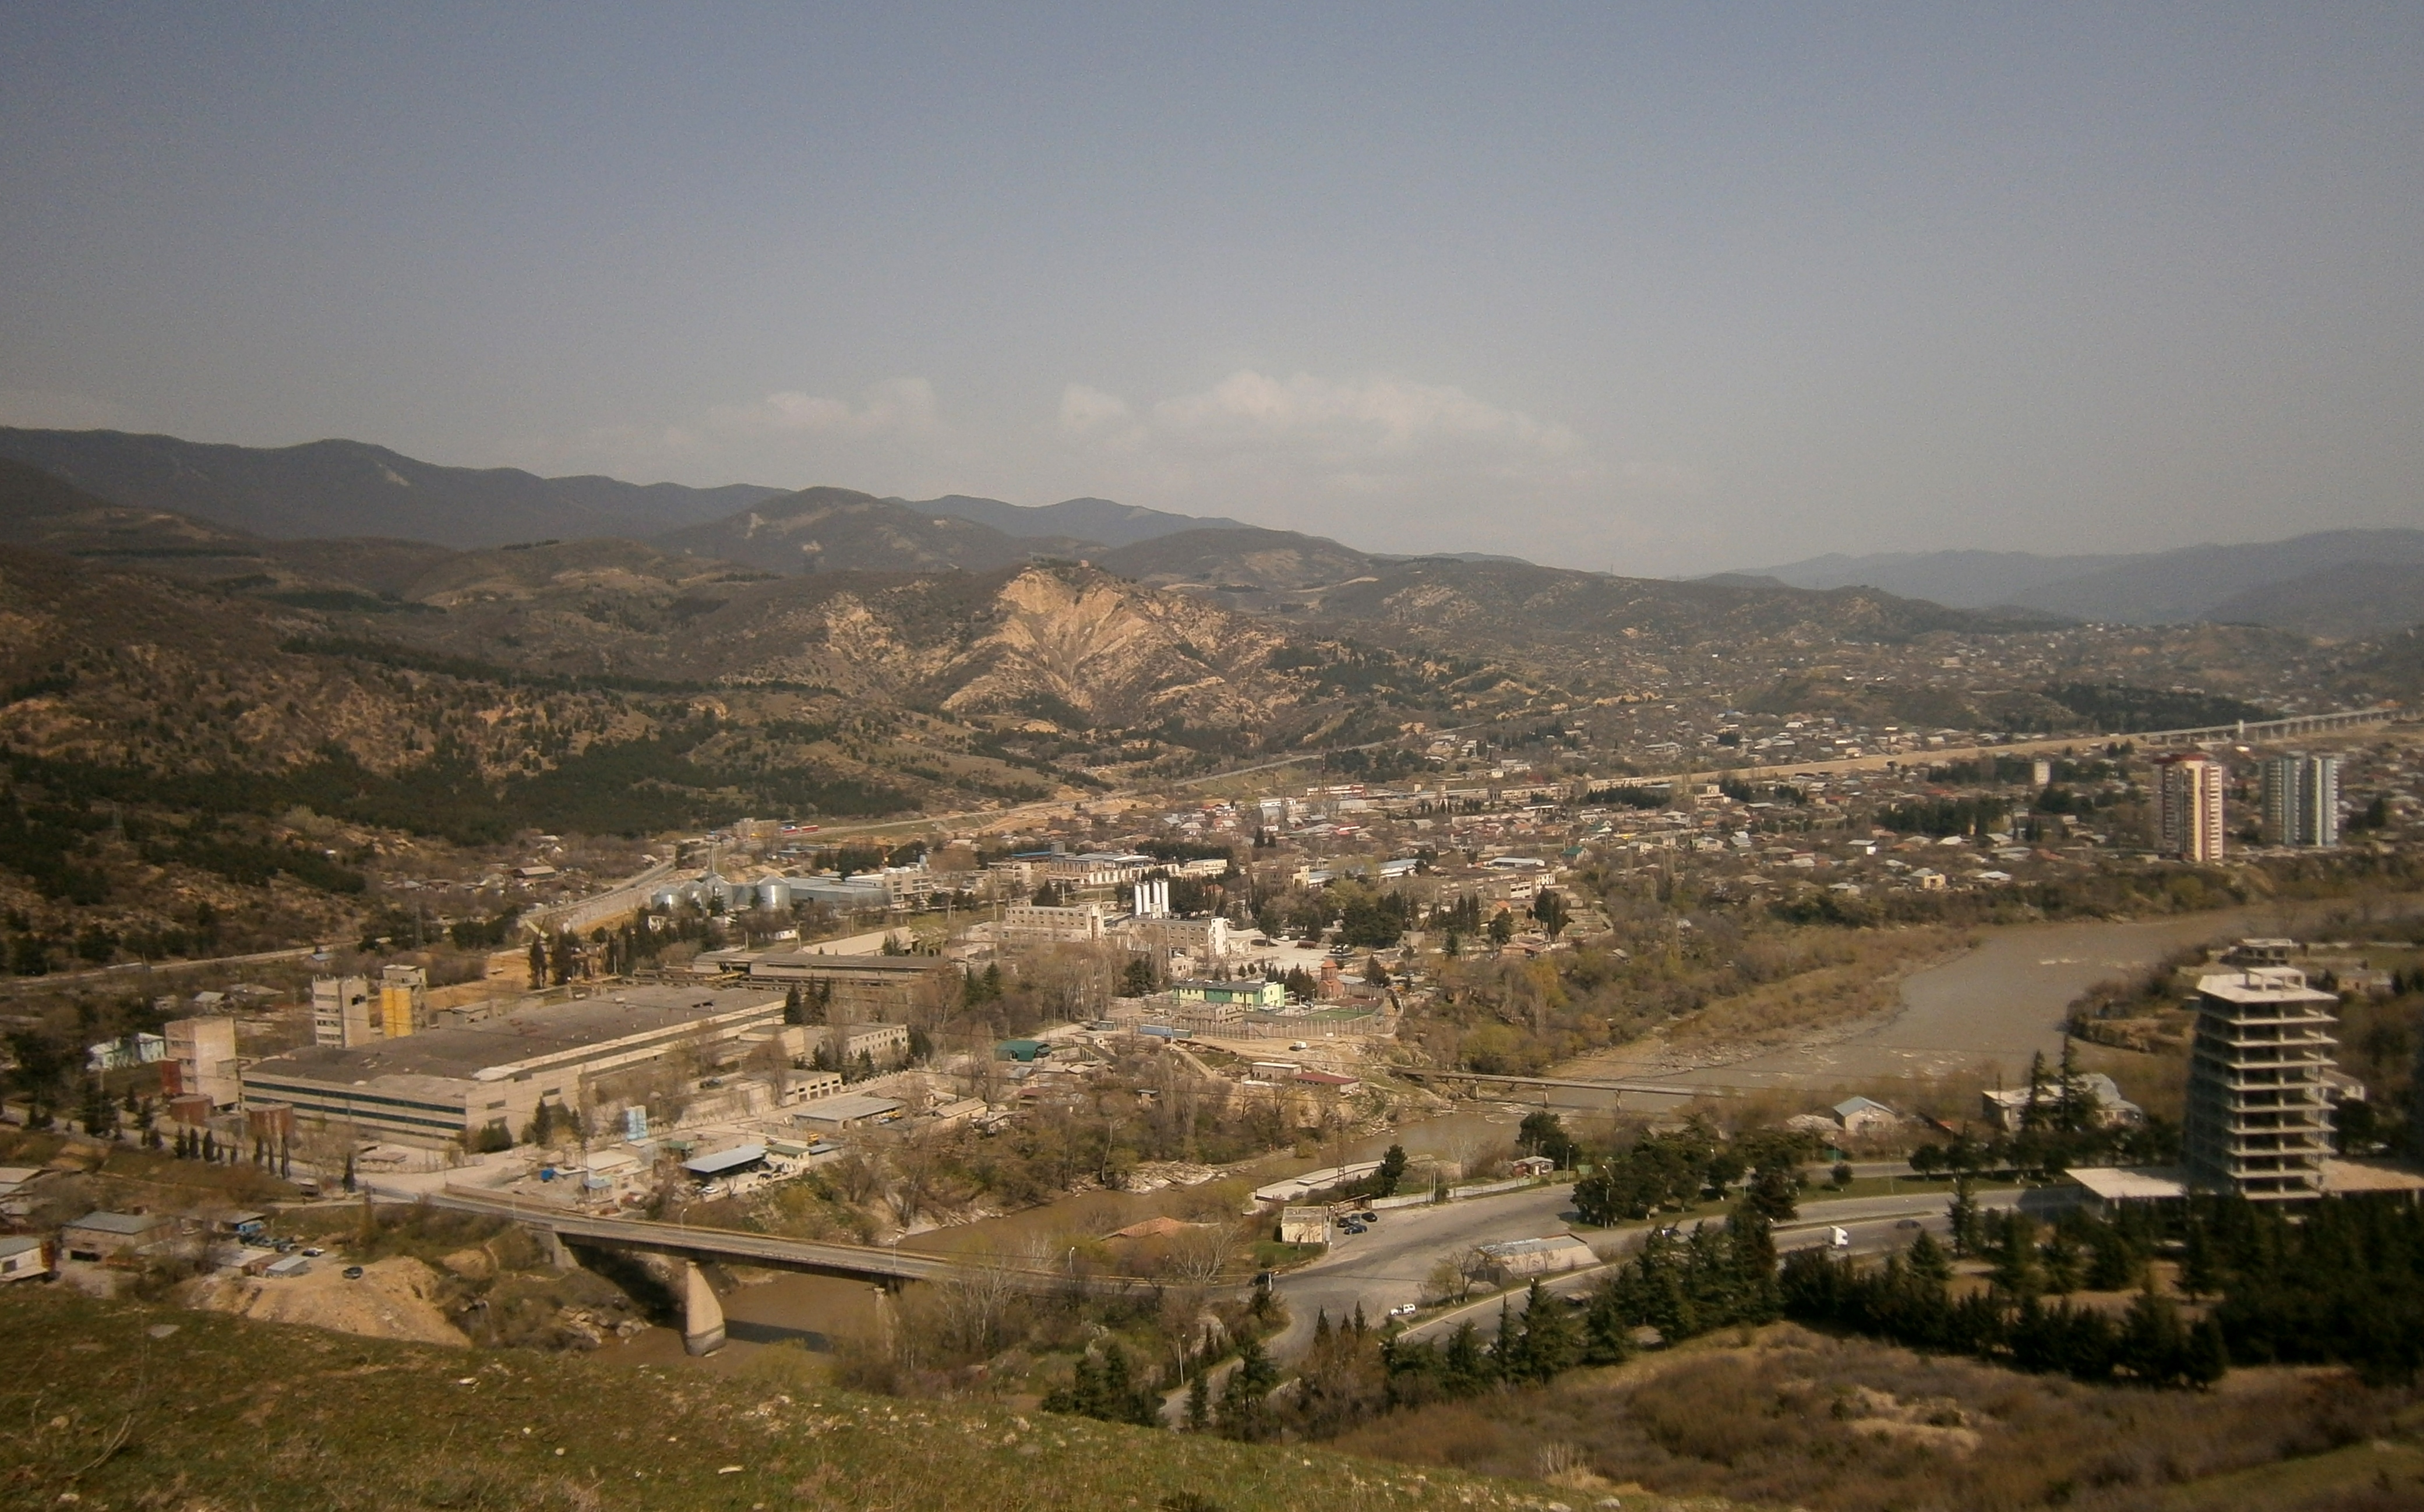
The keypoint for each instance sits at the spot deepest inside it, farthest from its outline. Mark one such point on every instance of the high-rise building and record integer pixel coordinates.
(341, 1011)
(2301, 799)
(2258, 1122)
(2188, 807)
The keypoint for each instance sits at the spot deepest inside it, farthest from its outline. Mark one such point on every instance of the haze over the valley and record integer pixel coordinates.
(1658, 292)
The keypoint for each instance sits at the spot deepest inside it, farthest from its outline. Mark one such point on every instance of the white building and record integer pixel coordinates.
(201, 1061)
(2259, 1120)
(2188, 807)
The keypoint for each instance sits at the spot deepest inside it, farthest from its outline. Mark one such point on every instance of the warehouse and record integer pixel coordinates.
(465, 1080)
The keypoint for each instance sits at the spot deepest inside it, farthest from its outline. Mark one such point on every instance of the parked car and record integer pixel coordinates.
(315, 1251)
(1350, 1226)
(1403, 1310)
(1367, 1217)
(353, 1273)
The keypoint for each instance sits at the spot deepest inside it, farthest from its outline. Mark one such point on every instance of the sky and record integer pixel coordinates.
(1658, 290)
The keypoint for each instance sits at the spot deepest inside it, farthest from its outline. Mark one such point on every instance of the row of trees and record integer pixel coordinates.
(1909, 1300)
(1678, 1167)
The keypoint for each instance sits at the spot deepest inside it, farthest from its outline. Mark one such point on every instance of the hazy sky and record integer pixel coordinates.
(1658, 289)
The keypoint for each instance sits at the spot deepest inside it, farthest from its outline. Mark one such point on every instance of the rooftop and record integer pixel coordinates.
(118, 1222)
(531, 1030)
(2114, 1184)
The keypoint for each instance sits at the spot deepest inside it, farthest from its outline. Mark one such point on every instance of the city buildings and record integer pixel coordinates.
(2188, 807)
(2258, 1122)
(2301, 799)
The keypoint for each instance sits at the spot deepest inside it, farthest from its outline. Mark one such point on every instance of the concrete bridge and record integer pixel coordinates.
(2271, 729)
(689, 1245)
(1649, 1089)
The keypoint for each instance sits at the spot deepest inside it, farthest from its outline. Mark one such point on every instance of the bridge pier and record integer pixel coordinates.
(558, 1254)
(702, 1315)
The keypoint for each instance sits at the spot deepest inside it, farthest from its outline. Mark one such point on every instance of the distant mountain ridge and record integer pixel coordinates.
(338, 487)
(2327, 582)
(1100, 521)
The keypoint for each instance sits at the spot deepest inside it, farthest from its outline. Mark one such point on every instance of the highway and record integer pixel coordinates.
(1390, 1264)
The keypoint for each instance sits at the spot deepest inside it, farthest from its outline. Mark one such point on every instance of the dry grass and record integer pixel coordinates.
(224, 1413)
(1851, 1427)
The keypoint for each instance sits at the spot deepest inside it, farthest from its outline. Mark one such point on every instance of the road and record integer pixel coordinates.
(580, 913)
(124, 967)
(1390, 1264)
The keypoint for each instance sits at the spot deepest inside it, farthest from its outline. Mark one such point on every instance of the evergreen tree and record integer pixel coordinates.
(537, 963)
(1927, 1259)
(1964, 1214)
(1199, 1401)
(1245, 1410)
(1392, 1171)
(1550, 1345)
(1775, 1194)
(795, 1009)
(2016, 1269)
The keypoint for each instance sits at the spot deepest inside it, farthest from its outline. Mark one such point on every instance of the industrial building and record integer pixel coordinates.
(2259, 1120)
(454, 1082)
(860, 989)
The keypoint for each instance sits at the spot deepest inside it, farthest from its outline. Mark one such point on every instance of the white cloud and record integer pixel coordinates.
(893, 407)
(1089, 412)
(1377, 419)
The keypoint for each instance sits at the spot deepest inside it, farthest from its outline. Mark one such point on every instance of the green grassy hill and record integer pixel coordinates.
(107, 1406)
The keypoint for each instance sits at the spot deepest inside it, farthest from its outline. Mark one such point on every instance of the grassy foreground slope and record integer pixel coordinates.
(223, 1414)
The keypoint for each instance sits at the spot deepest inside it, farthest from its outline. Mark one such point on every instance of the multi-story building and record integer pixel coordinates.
(201, 1061)
(2301, 799)
(341, 1011)
(1043, 924)
(402, 1001)
(2188, 807)
(2258, 1119)
(455, 1082)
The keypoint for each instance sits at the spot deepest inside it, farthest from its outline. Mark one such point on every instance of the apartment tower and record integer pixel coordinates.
(2257, 1121)
(2188, 807)
(2301, 799)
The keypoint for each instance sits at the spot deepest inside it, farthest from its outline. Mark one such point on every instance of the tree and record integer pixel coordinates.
(537, 963)
(1392, 1171)
(1138, 979)
(1774, 1194)
(2016, 1267)
(1544, 1133)
(1551, 910)
(795, 1009)
(1550, 1344)
(1963, 1212)
(1502, 926)
(1245, 1410)
(1199, 1402)
(349, 1172)
(1375, 972)
(1927, 1259)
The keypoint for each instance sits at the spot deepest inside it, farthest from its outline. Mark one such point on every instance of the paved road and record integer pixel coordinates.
(1390, 1265)
(127, 967)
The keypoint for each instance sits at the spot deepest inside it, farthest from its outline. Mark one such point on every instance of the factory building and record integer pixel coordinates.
(456, 1082)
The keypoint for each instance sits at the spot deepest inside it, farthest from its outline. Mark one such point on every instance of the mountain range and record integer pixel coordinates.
(2334, 583)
